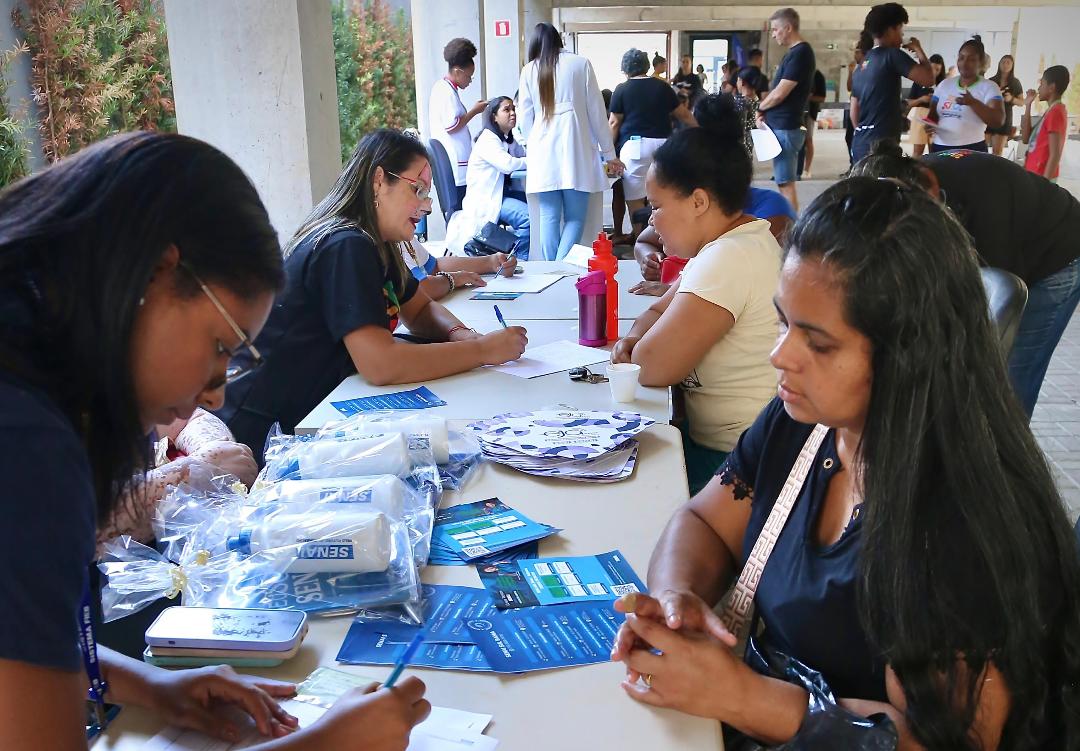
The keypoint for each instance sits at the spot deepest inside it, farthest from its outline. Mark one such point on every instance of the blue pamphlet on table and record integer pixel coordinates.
(560, 580)
(418, 398)
(483, 528)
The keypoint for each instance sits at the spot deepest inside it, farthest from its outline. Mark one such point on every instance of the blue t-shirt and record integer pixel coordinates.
(332, 288)
(50, 516)
(764, 204)
(798, 65)
(806, 596)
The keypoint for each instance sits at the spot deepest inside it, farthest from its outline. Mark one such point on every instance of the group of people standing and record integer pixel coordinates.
(948, 112)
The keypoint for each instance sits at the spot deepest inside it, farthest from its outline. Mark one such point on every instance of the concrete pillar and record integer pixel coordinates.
(434, 23)
(256, 79)
(20, 92)
(532, 13)
(502, 54)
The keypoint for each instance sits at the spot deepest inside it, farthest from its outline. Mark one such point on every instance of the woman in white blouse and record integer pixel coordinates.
(564, 121)
(449, 120)
(495, 156)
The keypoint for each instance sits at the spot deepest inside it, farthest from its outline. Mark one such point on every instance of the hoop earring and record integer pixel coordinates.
(376, 202)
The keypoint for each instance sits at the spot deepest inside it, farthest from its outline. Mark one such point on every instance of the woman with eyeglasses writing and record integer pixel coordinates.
(346, 290)
(129, 275)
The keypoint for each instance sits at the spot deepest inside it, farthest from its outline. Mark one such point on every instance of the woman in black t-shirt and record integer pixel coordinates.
(1011, 94)
(927, 568)
(346, 290)
(918, 103)
(642, 108)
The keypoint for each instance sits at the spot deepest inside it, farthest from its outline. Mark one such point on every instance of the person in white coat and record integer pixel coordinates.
(449, 120)
(564, 122)
(495, 155)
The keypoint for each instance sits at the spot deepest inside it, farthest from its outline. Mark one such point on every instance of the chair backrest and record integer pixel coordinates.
(1008, 296)
(443, 176)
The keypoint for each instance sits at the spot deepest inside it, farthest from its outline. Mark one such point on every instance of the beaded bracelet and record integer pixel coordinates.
(449, 278)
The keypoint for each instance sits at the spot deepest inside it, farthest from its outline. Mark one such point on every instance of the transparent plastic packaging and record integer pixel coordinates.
(222, 548)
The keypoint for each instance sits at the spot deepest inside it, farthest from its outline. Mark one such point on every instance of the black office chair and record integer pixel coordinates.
(1008, 297)
(442, 173)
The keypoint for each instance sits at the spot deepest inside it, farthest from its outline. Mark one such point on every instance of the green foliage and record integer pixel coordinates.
(14, 148)
(99, 67)
(373, 58)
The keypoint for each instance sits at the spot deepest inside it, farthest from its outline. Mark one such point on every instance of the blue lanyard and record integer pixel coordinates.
(98, 687)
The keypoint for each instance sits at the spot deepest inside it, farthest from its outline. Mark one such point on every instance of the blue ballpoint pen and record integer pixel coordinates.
(499, 315)
(402, 661)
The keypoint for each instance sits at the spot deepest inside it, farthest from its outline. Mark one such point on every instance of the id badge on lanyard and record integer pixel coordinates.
(98, 714)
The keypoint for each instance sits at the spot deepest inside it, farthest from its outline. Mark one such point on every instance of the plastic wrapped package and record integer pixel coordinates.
(456, 453)
(222, 551)
(826, 725)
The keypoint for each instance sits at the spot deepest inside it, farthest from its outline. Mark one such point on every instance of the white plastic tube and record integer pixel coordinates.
(350, 541)
(385, 493)
(360, 456)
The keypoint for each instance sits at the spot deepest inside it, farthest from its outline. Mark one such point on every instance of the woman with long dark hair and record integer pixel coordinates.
(919, 106)
(564, 122)
(927, 568)
(130, 274)
(346, 289)
(1012, 95)
(494, 158)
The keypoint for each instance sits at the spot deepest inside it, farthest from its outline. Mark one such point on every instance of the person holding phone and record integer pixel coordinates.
(131, 273)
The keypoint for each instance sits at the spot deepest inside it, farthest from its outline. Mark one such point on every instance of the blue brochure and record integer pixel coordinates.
(418, 398)
(475, 530)
(448, 643)
(555, 581)
(515, 641)
(443, 556)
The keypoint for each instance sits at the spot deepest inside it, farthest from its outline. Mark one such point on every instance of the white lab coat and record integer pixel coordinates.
(564, 152)
(492, 159)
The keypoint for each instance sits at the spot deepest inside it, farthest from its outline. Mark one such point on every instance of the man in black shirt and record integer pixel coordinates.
(756, 59)
(782, 110)
(875, 100)
(818, 92)
(1019, 222)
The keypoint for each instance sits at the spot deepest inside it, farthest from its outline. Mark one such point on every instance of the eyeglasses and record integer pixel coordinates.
(584, 375)
(423, 192)
(233, 373)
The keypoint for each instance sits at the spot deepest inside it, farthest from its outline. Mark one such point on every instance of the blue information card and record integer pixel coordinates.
(555, 581)
(418, 398)
(517, 641)
(443, 556)
(479, 529)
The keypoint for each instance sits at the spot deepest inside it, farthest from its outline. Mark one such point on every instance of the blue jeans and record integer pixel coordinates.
(515, 214)
(1051, 302)
(562, 220)
(791, 143)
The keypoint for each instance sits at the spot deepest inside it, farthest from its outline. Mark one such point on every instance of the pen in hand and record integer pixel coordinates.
(499, 315)
(402, 661)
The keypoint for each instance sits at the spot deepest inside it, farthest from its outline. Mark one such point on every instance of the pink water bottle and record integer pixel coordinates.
(592, 309)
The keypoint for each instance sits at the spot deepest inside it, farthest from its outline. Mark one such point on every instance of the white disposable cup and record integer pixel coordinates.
(623, 379)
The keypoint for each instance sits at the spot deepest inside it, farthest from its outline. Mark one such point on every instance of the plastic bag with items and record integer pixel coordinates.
(826, 725)
(456, 453)
(221, 549)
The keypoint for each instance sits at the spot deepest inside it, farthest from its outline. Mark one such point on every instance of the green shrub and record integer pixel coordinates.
(373, 58)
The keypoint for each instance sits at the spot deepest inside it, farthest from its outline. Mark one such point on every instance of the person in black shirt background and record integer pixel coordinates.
(865, 43)
(875, 100)
(686, 74)
(818, 92)
(1012, 93)
(1020, 222)
(918, 103)
(784, 107)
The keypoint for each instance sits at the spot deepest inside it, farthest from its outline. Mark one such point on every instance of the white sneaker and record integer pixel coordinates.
(806, 176)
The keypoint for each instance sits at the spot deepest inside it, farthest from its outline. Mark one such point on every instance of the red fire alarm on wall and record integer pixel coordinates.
(502, 28)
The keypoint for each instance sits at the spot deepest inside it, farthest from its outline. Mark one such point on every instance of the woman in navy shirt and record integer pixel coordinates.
(927, 569)
(129, 274)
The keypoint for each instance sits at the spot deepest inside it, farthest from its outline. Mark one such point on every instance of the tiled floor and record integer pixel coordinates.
(1056, 422)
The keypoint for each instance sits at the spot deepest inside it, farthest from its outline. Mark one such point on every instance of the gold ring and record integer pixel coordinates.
(648, 679)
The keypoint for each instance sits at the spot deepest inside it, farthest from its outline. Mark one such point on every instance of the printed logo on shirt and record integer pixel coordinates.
(393, 307)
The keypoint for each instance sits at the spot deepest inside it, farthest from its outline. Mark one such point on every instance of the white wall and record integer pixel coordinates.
(256, 79)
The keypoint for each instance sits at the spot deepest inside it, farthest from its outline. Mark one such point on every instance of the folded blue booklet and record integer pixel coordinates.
(480, 529)
(418, 398)
(560, 580)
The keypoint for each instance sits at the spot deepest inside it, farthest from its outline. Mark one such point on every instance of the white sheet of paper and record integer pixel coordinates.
(579, 255)
(528, 283)
(766, 145)
(553, 358)
(444, 730)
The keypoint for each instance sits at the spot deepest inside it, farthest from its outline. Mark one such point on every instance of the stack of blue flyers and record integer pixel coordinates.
(560, 580)
(571, 444)
(484, 531)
